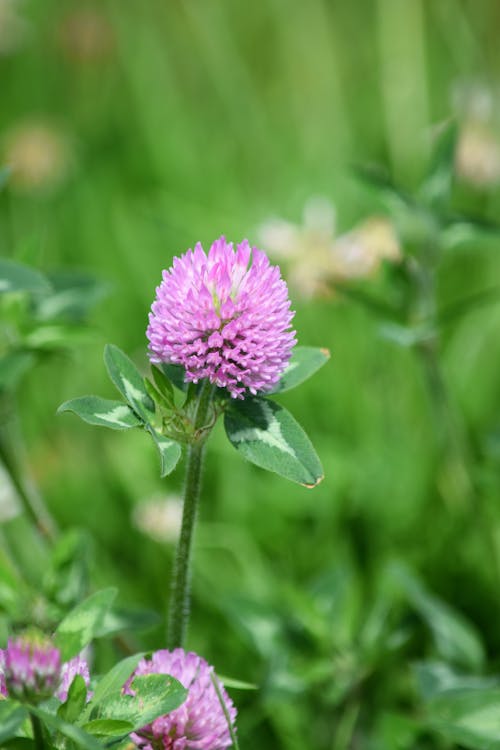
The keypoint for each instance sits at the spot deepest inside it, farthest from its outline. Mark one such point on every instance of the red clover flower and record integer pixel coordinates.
(31, 670)
(224, 316)
(200, 722)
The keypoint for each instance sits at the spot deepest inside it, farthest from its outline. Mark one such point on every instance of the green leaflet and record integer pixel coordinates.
(16, 277)
(83, 623)
(102, 412)
(170, 452)
(267, 435)
(305, 361)
(154, 695)
(12, 715)
(129, 382)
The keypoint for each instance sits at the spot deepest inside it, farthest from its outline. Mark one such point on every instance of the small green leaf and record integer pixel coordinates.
(462, 307)
(169, 452)
(75, 702)
(267, 435)
(53, 337)
(231, 682)
(12, 716)
(435, 678)
(176, 374)
(470, 718)
(102, 412)
(72, 732)
(112, 682)
(405, 336)
(108, 727)
(456, 640)
(305, 361)
(83, 623)
(164, 385)
(129, 382)
(66, 579)
(154, 695)
(13, 365)
(377, 178)
(437, 185)
(16, 277)
(73, 296)
(462, 229)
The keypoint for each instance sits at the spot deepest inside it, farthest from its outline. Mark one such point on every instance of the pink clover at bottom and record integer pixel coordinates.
(199, 723)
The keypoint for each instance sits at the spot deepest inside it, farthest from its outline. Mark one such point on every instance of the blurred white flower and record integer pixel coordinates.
(159, 518)
(313, 258)
(360, 252)
(39, 155)
(304, 249)
(477, 155)
(13, 27)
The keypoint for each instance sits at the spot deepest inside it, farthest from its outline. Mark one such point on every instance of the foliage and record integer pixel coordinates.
(364, 612)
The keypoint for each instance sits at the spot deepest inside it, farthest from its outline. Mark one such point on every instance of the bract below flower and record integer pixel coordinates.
(224, 317)
(199, 723)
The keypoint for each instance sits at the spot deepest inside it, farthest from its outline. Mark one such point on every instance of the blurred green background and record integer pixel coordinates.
(138, 128)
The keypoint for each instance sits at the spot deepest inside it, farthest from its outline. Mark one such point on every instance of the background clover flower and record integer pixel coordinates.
(199, 723)
(31, 669)
(76, 666)
(224, 316)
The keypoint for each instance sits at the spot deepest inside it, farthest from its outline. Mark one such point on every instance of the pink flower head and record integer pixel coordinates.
(225, 317)
(199, 723)
(31, 668)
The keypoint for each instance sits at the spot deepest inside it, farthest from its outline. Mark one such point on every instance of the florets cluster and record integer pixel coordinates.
(224, 316)
(199, 723)
(31, 670)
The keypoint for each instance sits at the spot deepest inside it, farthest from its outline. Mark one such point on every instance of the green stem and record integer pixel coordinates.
(232, 733)
(178, 613)
(458, 488)
(11, 452)
(37, 733)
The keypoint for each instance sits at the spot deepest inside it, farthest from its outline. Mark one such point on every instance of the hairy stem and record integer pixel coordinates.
(178, 613)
